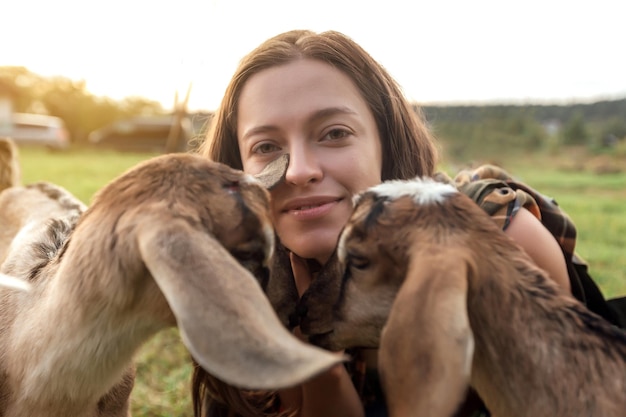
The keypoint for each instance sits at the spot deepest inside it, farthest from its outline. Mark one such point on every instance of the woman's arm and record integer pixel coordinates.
(539, 243)
(329, 394)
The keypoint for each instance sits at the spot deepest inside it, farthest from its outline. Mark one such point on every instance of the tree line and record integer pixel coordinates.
(469, 129)
(463, 129)
(70, 100)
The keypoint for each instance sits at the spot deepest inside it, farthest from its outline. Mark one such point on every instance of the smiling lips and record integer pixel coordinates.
(310, 208)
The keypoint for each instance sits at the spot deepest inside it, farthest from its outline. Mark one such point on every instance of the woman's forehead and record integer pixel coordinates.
(299, 87)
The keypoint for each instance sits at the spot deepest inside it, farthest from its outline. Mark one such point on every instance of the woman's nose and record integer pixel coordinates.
(304, 166)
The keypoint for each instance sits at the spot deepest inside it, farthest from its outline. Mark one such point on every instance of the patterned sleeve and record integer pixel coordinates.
(494, 194)
(501, 196)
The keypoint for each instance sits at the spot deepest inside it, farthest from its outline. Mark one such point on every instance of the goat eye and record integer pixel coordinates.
(232, 187)
(246, 255)
(358, 261)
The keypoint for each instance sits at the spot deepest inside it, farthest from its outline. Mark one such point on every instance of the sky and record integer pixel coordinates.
(439, 51)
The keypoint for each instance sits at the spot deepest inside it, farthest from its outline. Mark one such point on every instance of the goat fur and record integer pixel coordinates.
(422, 273)
(159, 246)
(10, 173)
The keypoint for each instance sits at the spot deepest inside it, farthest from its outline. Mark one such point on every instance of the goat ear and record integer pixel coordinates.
(225, 320)
(281, 287)
(274, 172)
(427, 345)
(13, 283)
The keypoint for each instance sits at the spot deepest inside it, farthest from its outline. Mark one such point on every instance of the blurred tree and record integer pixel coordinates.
(574, 131)
(24, 85)
(139, 106)
(71, 101)
(84, 112)
(615, 126)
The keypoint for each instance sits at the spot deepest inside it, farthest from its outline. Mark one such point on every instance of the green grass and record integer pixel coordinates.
(82, 172)
(596, 203)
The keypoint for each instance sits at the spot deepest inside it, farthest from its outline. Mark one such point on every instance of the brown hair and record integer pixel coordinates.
(214, 398)
(408, 150)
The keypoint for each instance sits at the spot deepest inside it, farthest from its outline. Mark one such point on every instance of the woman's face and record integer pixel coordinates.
(313, 112)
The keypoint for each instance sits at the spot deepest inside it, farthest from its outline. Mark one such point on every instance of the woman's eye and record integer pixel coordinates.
(337, 134)
(264, 148)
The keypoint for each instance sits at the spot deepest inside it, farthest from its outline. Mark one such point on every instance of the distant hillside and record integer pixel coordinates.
(478, 130)
(591, 112)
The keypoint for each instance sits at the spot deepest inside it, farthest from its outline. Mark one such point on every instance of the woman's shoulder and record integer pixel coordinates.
(497, 193)
(502, 196)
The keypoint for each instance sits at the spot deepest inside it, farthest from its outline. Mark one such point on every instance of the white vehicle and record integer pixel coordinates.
(38, 129)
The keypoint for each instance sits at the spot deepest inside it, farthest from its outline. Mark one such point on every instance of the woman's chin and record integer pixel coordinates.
(321, 256)
(315, 239)
(318, 245)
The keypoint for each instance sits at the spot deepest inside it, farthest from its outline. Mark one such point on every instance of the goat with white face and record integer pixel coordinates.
(162, 245)
(422, 273)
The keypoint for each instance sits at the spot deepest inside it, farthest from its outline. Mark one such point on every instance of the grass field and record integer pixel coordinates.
(596, 203)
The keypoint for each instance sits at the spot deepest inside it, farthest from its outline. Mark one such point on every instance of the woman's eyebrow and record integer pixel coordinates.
(258, 129)
(316, 116)
(331, 111)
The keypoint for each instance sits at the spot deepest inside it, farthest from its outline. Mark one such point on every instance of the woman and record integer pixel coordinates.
(346, 126)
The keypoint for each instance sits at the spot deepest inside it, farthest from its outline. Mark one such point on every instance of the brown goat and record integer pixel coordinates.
(10, 172)
(278, 283)
(422, 273)
(162, 245)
